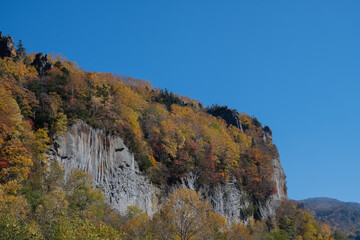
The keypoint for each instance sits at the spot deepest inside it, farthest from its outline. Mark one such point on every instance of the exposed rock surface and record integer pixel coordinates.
(7, 47)
(111, 164)
(267, 134)
(281, 191)
(231, 116)
(41, 63)
(226, 199)
(116, 172)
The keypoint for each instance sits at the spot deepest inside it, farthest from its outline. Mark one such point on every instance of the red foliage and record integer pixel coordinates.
(32, 124)
(156, 145)
(3, 164)
(220, 176)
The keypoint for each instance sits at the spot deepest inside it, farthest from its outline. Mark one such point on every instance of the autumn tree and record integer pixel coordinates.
(185, 215)
(14, 214)
(81, 196)
(15, 154)
(83, 229)
(294, 223)
(138, 225)
(239, 231)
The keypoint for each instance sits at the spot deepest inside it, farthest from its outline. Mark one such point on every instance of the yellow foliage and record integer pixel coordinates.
(239, 231)
(14, 133)
(60, 124)
(186, 216)
(52, 207)
(152, 160)
(245, 119)
(10, 116)
(16, 69)
(41, 144)
(137, 228)
(19, 159)
(127, 97)
(10, 203)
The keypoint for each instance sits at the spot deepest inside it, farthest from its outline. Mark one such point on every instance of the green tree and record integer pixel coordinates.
(82, 198)
(20, 51)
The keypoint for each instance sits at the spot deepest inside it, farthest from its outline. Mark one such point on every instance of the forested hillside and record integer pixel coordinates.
(170, 135)
(344, 216)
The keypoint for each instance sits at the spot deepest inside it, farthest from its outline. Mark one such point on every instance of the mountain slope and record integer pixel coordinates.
(171, 137)
(331, 202)
(139, 145)
(344, 216)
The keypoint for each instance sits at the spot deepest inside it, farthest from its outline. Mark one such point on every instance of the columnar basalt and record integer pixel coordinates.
(111, 164)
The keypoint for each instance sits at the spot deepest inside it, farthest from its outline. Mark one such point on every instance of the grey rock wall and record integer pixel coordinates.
(226, 199)
(111, 164)
(273, 202)
(116, 172)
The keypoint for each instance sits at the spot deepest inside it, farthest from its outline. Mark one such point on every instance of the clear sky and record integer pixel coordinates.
(295, 65)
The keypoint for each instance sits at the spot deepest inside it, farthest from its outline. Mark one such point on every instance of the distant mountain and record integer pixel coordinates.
(344, 216)
(330, 202)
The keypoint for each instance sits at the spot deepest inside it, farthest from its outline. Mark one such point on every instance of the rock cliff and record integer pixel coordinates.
(41, 63)
(116, 172)
(231, 116)
(7, 47)
(111, 164)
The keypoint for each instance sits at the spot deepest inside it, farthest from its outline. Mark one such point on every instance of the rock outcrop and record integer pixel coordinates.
(111, 164)
(274, 200)
(7, 47)
(267, 134)
(231, 116)
(116, 172)
(226, 199)
(41, 63)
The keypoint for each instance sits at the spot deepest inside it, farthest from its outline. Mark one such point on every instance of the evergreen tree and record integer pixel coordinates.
(20, 52)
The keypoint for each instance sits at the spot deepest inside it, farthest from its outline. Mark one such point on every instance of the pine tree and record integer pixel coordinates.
(20, 52)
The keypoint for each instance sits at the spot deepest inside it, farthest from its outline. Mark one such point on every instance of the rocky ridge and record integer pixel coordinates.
(7, 49)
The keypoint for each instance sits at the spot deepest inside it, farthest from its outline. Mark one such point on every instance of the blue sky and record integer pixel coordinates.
(295, 65)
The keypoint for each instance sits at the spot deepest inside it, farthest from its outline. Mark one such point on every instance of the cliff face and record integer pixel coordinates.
(273, 202)
(111, 164)
(226, 199)
(116, 172)
(7, 46)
